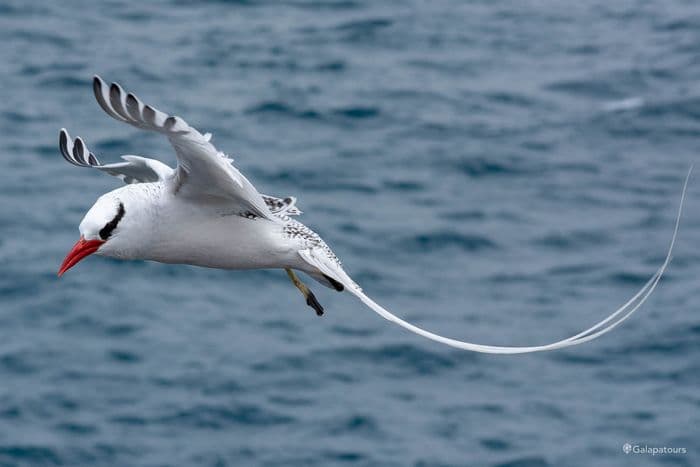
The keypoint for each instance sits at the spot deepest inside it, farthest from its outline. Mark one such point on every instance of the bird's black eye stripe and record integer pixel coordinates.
(111, 225)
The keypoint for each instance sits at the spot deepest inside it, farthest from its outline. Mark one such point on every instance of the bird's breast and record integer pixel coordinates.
(221, 241)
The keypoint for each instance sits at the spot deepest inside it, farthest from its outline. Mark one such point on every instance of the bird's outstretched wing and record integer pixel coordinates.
(203, 172)
(320, 259)
(134, 169)
(138, 169)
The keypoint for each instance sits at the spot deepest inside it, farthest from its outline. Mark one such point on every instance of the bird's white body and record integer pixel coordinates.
(179, 231)
(206, 213)
(219, 240)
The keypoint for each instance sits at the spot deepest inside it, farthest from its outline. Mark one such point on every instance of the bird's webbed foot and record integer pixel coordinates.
(313, 303)
(308, 294)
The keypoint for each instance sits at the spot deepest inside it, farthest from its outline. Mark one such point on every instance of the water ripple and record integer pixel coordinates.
(436, 241)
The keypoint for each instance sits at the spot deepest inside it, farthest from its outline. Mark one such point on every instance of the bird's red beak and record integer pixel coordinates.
(80, 250)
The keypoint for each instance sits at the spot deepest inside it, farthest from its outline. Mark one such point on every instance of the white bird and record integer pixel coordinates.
(206, 213)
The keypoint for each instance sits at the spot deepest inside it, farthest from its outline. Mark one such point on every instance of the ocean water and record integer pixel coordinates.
(501, 172)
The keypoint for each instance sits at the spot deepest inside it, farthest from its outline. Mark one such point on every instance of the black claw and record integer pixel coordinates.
(313, 303)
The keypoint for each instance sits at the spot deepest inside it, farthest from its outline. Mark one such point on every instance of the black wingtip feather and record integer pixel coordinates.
(132, 106)
(149, 114)
(79, 151)
(104, 97)
(97, 87)
(170, 122)
(76, 152)
(67, 148)
(63, 143)
(115, 98)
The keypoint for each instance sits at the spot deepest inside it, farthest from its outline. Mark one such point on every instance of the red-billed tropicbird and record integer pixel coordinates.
(190, 215)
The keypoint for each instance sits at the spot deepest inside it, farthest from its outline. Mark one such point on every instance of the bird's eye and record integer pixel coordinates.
(107, 230)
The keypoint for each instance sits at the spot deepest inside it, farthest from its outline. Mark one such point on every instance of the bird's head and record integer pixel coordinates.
(101, 230)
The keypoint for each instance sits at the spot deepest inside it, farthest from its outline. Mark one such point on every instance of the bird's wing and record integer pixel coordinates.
(320, 259)
(135, 169)
(203, 172)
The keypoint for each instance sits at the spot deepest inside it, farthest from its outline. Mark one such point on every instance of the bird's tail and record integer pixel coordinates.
(595, 331)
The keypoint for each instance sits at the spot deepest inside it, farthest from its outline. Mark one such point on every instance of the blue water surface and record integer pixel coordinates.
(501, 172)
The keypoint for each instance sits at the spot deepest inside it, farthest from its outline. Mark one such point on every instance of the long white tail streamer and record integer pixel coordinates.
(595, 331)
